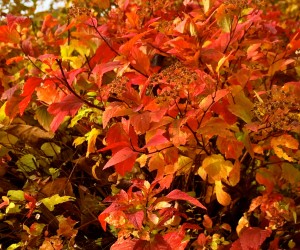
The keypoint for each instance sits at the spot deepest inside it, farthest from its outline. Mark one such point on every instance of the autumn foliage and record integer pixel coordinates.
(151, 125)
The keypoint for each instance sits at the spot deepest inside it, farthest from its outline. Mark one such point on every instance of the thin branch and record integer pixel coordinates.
(112, 48)
(66, 83)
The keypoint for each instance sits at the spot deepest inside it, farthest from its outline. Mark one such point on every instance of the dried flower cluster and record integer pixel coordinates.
(280, 110)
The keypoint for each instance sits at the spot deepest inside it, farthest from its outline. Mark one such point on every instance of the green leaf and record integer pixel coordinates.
(16, 195)
(12, 208)
(225, 16)
(83, 112)
(27, 163)
(44, 118)
(290, 173)
(55, 172)
(7, 140)
(54, 200)
(51, 149)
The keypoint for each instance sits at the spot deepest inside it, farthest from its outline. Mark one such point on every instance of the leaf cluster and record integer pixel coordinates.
(151, 125)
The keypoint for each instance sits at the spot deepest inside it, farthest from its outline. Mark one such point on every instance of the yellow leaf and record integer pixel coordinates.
(184, 164)
(223, 61)
(222, 197)
(243, 222)
(206, 5)
(216, 167)
(91, 139)
(78, 141)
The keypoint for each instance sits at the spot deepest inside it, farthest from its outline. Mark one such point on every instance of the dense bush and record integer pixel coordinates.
(151, 125)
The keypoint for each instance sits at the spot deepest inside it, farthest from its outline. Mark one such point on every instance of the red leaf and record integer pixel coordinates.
(230, 146)
(101, 69)
(156, 140)
(158, 243)
(140, 60)
(67, 107)
(251, 239)
(210, 99)
(4, 203)
(7, 94)
(137, 219)
(103, 54)
(121, 156)
(127, 244)
(28, 89)
(31, 204)
(73, 74)
(141, 122)
(176, 239)
(12, 21)
(179, 195)
(125, 166)
(48, 92)
(116, 134)
(120, 144)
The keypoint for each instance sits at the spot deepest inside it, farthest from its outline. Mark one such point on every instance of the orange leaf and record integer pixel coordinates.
(230, 146)
(207, 222)
(222, 197)
(234, 175)
(9, 35)
(115, 109)
(265, 177)
(278, 144)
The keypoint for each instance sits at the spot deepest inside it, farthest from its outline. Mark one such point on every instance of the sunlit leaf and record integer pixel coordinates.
(91, 138)
(54, 200)
(206, 5)
(16, 195)
(222, 197)
(217, 167)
